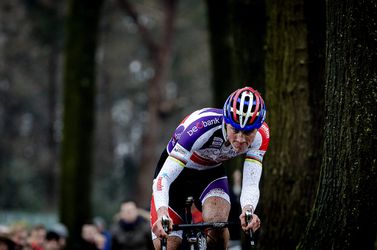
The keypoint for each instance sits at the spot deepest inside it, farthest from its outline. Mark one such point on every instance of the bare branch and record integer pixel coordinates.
(131, 11)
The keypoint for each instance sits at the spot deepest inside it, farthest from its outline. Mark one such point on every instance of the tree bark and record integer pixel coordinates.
(291, 165)
(344, 215)
(78, 118)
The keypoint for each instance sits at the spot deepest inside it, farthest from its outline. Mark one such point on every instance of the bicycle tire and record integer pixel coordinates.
(202, 241)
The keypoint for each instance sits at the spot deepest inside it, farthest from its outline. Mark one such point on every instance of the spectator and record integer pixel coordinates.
(18, 233)
(131, 231)
(91, 238)
(52, 241)
(37, 237)
(101, 226)
(58, 232)
(6, 243)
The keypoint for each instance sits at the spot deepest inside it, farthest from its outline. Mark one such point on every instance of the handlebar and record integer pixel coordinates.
(249, 217)
(165, 225)
(205, 225)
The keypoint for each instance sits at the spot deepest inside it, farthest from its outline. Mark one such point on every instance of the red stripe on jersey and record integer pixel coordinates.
(265, 133)
(172, 214)
(202, 161)
(185, 118)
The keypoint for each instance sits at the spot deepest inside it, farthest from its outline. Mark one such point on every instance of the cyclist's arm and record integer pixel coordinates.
(161, 185)
(252, 171)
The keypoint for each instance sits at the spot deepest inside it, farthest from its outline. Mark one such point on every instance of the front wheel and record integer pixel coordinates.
(202, 241)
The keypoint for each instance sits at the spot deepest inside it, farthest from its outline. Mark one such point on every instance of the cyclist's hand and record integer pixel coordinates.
(158, 228)
(254, 224)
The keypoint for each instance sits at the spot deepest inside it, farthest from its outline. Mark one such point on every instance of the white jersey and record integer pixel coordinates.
(199, 141)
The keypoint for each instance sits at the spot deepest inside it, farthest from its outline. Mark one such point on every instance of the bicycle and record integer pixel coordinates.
(195, 236)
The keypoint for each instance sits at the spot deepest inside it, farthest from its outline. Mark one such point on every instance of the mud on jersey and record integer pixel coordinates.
(199, 141)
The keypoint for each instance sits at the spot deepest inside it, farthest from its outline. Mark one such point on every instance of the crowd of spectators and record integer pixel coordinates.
(20, 236)
(130, 229)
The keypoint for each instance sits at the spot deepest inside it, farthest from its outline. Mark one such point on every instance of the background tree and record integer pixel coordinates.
(124, 70)
(248, 28)
(25, 153)
(237, 33)
(78, 119)
(160, 54)
(344, 214)
(47, 28)
(221, 42)
(294, 70)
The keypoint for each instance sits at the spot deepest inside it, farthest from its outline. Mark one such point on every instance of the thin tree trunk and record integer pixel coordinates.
(160, 54)
(344, 215)
(78, 118)
(248, 27)
(161, 62)
(221, 44)
(52, 164)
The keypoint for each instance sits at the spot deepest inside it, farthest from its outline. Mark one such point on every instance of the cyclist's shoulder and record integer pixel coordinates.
(203, 113)
(264, 130)
(261, 140)
(206, 117)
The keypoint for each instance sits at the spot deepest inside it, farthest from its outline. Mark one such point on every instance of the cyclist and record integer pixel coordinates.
(191, 166)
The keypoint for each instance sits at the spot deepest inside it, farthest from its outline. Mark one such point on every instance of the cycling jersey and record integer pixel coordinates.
(198, 145)
(199, 141)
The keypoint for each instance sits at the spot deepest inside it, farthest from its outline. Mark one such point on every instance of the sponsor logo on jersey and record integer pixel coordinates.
(177, 135)
(180, 151)
(159, 184)
(217, 142)
(202, 124)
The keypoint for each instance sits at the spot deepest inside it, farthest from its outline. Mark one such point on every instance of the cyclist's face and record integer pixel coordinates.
(240, 140)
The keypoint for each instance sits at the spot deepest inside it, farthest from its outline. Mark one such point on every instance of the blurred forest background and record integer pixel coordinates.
(90, 92)
(32, 94)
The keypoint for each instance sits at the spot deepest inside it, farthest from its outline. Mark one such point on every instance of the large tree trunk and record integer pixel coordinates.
(291, 167)
(344, 216)
(78, 119)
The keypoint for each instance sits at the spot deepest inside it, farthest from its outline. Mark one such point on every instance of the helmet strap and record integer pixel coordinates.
(225, 134)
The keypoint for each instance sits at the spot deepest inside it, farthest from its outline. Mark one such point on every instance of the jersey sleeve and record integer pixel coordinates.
(260, 144)
(161, 184)
(252, 168)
